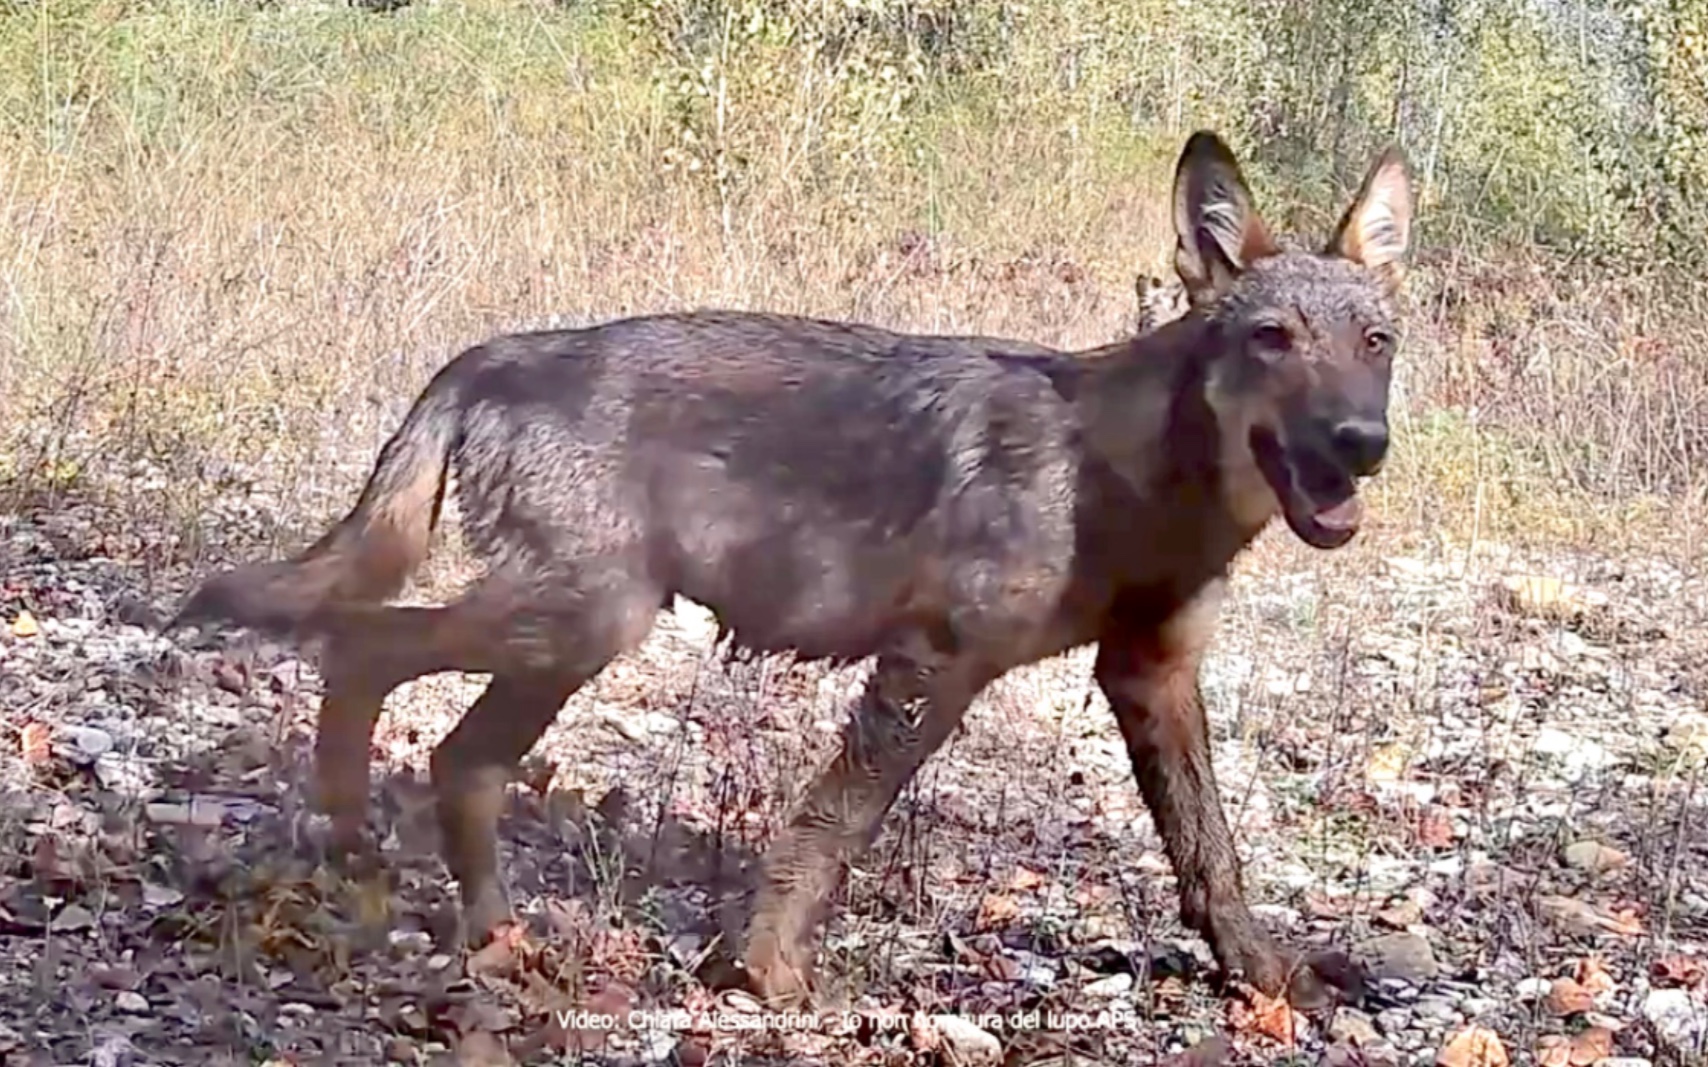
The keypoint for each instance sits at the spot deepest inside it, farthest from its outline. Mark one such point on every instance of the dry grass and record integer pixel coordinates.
(235, 242)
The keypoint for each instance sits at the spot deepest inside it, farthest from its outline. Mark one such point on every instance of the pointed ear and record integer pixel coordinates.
(1375, 231)
(1218, 232)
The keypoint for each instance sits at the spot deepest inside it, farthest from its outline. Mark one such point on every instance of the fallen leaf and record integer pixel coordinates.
(1025, 880)
(1547, 597)
(1435, 829)
(1553, 1050)
(1271, 1016)
(1679, 969)
(25, 625)
(1474, 1046)
(34, 742)
(1582, 918)
(1568, 997)
(1593, 976)
(1388, 763)
(1591, 1046)
(996, 910)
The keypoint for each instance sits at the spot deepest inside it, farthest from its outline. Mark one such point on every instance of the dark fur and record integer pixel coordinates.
(956, 507)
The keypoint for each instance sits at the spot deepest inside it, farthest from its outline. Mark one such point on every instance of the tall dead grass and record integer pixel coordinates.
(234, 242)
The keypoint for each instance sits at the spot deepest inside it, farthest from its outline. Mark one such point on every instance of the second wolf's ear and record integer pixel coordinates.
(1375, 230)
(1218, 232)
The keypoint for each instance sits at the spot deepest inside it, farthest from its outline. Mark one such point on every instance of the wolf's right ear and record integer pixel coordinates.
(1218, 232)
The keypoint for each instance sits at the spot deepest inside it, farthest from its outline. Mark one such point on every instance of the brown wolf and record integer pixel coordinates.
(953, 506)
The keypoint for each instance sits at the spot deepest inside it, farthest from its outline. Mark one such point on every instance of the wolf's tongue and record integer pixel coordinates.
(1342, 516)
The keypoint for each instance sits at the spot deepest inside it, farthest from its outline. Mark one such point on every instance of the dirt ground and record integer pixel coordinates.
(1481, 771)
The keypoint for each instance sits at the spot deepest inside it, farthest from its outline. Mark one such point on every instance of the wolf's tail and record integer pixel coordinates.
(370, 553)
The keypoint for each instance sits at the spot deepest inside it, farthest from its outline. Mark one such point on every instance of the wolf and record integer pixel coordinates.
(951, 507)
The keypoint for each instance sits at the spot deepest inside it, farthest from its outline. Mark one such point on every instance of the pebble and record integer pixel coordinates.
(657, 1046)
(1354, 1028)
(1577, 754)
(1437, 1009)
(83, 745)
(1394, 1021)
(968, 1044)
(130, 1002)
(1474, 1006)
(1533, 988)
(1594, 857)
(1678, 1020)
(1116, 985)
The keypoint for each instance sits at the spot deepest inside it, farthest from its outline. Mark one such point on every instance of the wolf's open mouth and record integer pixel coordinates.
(1319, 500)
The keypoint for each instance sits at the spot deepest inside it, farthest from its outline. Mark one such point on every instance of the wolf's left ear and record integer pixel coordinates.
(1375, 231)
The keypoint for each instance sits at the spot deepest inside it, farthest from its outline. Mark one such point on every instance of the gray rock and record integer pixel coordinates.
(1437, 1009)
(1394, 1021)
(1404, 956)
(1116, 985)
(967, 1043)
(1354, 1028)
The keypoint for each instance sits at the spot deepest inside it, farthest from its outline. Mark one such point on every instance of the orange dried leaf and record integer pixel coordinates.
(1435, 829)
(1474, 1046)
(1025, 880)
(33, 741)
(1624, 922)
(1679, 970)
(1567, 997)
(1590, 974)
(1553, 1051)
(1272, 1017)
(25, 625)
(997, 909)
(1592, 1046)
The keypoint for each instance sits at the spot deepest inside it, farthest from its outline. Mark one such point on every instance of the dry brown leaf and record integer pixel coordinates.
(1567, 997)
(1679, 969)
(996, 910)
(1553, 1050)
(1272, 1017)
(35, 742)
(1593, 976)
(1435, 829)
(1548, 597)
(1474, 1046)
(1026, 880)
(1592, 1046)
(25, 625)
(1623, 922)
(1388, 763)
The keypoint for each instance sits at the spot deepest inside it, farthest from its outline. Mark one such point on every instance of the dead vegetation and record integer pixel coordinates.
(1471, 743)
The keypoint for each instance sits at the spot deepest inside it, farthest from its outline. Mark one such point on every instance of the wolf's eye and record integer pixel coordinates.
(1377, 342)
(1271, 340)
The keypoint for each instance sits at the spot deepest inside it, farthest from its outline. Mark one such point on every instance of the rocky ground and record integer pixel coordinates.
(1483, 772)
